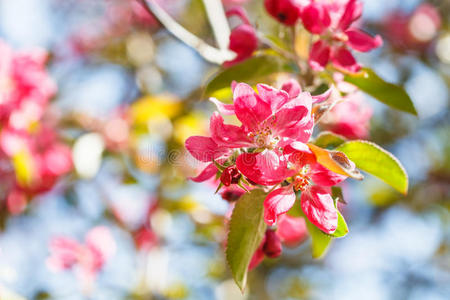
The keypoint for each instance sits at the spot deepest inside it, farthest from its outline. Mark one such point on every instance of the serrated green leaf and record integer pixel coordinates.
(319, 240)
(390, 94)
(328, 139)
(246, 231)
(375, 160)
(342, 228)
(248, 71)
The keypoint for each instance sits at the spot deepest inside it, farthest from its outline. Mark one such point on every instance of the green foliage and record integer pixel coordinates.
(249, 71)
(319, 240)
(342, 228)
(328, 139)
(388, 93)
(246, 231)
(375, 160)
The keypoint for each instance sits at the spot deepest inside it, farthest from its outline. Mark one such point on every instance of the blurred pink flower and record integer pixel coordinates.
(89, 258)
(414, 31)
(25, 86)
(350, 118)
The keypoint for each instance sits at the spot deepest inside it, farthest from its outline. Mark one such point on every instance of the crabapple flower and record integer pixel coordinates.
(270, 120)
(286, 12)
(243, 39)
(314, 182)
(333, 23)
(89, 257)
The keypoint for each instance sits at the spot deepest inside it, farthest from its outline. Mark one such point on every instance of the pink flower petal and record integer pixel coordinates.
(266, 168)
(227, 135)
(315, 18)
(324, 177)
(250, 109)
(292, 87)
(318, 206)
(319, 55)
(343, 59)
(292, 231)
(322, 97)
(101, 239)
(239, 12)
(274, 97)
(352, 12)
(300, 154)
(224, 109)
(206, 174)
(290, 122)
(204, 148)
(278, 202)
(361, 41)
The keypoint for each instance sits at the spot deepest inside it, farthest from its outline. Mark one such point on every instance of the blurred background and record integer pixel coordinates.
(129, 94)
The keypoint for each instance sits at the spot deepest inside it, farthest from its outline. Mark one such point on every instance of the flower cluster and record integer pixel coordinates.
(31, 154)
(89, 257)
(330, 22)
(270, 150)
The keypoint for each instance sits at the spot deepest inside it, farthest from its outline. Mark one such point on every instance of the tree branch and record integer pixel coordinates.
(208, 52)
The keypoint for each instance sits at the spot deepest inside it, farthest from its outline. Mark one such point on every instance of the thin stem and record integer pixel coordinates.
(208, 52)
(275, 47)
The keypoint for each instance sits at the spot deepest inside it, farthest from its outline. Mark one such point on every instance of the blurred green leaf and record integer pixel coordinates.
(248, 71)
(320, 241)
(328, 139)
(342, 228)
(246, 231)
(388, 93)
(336, 192)
(375, 160)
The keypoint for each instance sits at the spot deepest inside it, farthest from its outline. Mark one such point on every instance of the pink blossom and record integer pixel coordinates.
(89, 258)
(332, 22)
(271, 119)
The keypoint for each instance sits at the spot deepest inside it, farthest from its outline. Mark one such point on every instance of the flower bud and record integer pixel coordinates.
(272, 246)
(230, 176)
(285, 11)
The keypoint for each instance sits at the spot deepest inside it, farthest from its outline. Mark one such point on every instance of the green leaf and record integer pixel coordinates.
(328, 139)
(375, 160)
(336, 193)
(342, 228)
(248, 71)
(247, 229)
(320, 241)
(388, 93)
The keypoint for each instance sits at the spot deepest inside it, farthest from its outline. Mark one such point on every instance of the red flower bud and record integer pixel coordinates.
(285, 11)
(230, 176)
(272, 246)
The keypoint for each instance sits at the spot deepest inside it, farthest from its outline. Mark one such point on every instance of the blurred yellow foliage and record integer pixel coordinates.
(149, 107)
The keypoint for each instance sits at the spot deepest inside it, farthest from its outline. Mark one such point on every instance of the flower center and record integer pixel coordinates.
(263, 137)
(301, 181)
